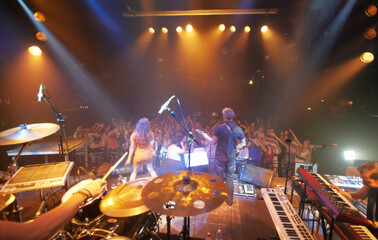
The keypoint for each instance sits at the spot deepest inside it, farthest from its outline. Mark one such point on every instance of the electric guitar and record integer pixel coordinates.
(238, 142)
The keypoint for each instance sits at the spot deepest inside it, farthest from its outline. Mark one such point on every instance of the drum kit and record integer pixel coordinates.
(132, 209)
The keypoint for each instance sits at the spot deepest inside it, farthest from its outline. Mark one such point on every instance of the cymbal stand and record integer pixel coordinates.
(13, 164)
(17, 209)
(61, 122)
(186, 228)
(169, 205)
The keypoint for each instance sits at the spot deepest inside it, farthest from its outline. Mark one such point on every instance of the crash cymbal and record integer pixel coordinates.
(6, 200)
(27, 133)
(125, 200)
(184, 193)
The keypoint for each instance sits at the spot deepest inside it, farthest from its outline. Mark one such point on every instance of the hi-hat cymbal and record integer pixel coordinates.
(125, 200)
(27, 133)
(184, 193)
(6, 200)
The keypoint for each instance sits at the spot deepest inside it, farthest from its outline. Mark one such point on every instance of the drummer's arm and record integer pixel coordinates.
(45, 226)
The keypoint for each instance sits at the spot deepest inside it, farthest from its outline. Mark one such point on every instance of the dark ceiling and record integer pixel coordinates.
(95, 68)
(102, 37)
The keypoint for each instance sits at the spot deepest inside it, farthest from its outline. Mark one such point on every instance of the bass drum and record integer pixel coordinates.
(138, 227)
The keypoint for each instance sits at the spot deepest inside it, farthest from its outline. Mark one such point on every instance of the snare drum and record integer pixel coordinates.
(137, 227)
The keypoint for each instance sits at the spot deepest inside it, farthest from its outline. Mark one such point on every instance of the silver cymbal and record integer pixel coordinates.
(27, 133)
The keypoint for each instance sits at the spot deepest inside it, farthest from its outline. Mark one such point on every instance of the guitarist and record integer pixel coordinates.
(226, 137)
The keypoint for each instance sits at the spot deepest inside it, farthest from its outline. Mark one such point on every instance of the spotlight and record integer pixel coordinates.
(179, 29)
(309, 108)
(164, 30)
(151, 30)
(232, 29)
(41, 36)
(247, 29)
(250, 82)
(367, 57)
(349, 155)
(40, 17)
(264, 28)
(371, 10)
(35, 51)
(370, 33)
(189, 28)
(222, 27)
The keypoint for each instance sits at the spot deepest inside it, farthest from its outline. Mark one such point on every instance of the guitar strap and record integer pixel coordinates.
(233, 136)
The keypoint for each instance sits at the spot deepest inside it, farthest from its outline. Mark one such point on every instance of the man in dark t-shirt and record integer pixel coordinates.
(226, 136)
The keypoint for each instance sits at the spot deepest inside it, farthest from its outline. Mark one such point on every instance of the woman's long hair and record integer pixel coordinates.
(143, 132)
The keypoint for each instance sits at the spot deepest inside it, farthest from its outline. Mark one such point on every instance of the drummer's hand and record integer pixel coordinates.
(95, 187)
(128, 161)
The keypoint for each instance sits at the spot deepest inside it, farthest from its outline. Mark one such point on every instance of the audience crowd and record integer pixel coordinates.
(266, 147)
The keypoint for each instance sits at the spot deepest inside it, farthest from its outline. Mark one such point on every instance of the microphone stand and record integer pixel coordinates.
(62, 125)
(288, 165)
(186, 179)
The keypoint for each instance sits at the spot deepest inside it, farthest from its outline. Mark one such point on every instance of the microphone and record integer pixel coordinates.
(329, 145)
(40, 93)
(165, 105)
(89, 174)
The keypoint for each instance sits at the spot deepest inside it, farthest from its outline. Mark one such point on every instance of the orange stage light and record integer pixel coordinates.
(40, 17)
(151, 30)
(222, 27)
(41, 36)
(367, 57)
(370, 33)
(371, 10)
(35, 51)
(189, 28)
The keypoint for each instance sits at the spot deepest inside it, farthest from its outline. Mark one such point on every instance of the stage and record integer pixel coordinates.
(247, 218)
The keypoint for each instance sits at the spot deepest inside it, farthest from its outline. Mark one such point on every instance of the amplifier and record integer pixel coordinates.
(256, 175)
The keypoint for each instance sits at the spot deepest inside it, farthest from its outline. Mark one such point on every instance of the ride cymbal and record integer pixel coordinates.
(27, 133)
(184, 193)
(125, 200)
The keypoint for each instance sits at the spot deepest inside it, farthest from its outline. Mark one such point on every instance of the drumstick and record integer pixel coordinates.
(114, 166)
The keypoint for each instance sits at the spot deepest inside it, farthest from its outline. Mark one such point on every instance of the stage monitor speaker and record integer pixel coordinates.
(257, 175)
